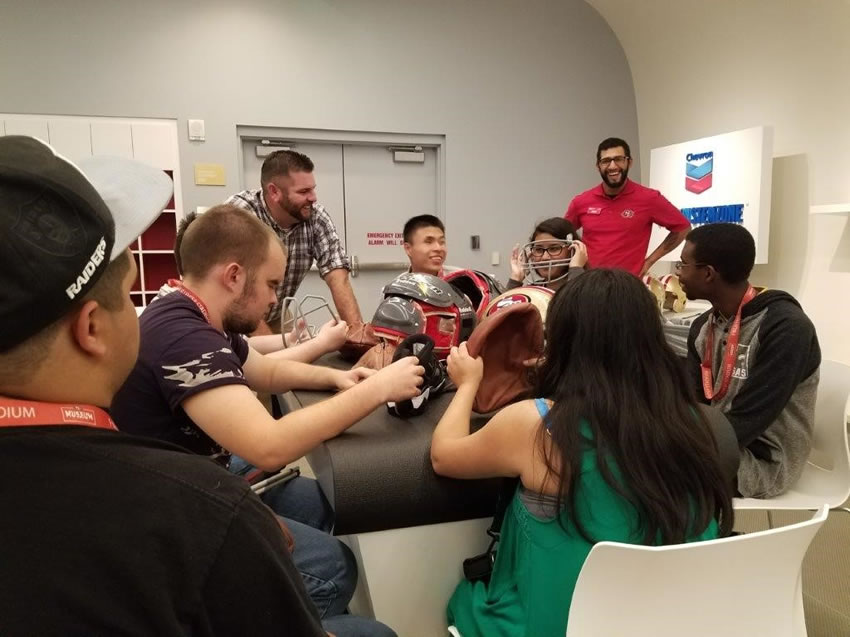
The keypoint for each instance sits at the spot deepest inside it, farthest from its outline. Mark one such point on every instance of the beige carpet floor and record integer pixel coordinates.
(826, 569)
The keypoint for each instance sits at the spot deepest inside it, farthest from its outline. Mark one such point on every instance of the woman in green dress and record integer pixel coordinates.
(613, 449)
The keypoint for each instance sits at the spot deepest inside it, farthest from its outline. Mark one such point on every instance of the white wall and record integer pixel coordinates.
(522, 91)
(701, 68)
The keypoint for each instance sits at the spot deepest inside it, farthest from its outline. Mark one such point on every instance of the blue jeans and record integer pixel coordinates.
(351, 626)
(327, 566)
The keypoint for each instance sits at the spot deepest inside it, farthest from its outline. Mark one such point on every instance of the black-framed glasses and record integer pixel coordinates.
(681, 264)
(553, 250)
(620, 160)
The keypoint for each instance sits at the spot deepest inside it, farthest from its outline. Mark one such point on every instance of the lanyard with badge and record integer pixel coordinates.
(729, 355)
(191, 296)
(32, 413)
(259, 480)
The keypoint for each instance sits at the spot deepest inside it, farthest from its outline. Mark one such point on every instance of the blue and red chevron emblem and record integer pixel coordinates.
(698, 171)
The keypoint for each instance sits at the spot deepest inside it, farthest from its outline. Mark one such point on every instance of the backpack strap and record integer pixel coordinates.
(506, 493)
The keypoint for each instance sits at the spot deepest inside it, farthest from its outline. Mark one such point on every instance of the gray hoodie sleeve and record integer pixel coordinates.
(788, 353)
(694, 360)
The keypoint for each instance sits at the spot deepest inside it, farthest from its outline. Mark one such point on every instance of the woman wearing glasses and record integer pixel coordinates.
(551, 257)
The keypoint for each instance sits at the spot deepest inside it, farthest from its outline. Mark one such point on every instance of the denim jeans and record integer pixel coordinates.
(351, 626)
(327, 566)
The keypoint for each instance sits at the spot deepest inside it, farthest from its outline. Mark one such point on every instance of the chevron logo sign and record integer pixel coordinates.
(698, 171)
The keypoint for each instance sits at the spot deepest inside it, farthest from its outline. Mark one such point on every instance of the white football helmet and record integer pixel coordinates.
(538, 295)
(656, 287)
(675, 297)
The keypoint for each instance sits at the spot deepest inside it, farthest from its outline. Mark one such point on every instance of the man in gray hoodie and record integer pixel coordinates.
(754, 354)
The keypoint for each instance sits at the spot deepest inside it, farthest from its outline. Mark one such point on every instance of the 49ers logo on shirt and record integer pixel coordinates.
(628, 213)
(77, 415)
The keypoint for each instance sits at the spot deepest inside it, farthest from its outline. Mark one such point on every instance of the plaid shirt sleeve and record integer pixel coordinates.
(327, 249)
(248, 200)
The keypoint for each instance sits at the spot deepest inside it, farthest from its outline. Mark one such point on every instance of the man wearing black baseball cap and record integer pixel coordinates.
(105, 533)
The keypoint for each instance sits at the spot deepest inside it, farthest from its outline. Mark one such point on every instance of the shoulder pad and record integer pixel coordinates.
(424, 287)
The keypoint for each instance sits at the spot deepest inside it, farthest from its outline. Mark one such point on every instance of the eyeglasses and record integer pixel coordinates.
(679, 265)
(620, 160)
(553, 250)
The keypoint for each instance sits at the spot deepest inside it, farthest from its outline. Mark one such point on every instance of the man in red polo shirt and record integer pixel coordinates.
(616, 216)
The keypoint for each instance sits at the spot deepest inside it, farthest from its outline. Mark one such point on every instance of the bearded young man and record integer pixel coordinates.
(286, 202)
(616, 217)
(194, 378)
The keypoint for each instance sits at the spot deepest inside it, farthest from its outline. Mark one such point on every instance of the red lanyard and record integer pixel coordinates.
(27, 413)
(730, 354)
(191, 296)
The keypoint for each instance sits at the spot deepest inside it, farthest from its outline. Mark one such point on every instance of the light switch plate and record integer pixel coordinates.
(495, 258)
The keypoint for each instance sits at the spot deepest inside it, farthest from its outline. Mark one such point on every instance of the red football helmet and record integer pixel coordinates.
(417, 303)
(479, 287)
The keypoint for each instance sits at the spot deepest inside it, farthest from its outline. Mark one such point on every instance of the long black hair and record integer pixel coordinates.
(607, 364)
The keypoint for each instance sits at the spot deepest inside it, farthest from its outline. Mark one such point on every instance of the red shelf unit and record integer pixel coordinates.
(154, 254)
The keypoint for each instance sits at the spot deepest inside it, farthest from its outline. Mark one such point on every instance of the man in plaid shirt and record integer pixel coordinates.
(286, 202)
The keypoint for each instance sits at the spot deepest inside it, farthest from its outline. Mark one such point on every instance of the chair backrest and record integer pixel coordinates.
(829, 440)
(737, 586)
(826, 478)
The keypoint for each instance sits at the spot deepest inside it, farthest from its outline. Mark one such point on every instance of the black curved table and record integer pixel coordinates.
(377, 475)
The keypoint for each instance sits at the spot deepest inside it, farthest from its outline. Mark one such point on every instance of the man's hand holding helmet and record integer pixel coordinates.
(399, 381)
(332, 335)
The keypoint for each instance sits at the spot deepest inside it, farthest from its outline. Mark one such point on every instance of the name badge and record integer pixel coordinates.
(594, 211)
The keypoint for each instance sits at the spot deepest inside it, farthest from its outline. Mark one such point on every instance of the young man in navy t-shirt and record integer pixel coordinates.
(193, 385)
